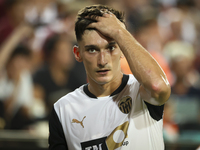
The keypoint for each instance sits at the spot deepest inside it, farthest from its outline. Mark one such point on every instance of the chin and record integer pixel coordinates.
(103, 80)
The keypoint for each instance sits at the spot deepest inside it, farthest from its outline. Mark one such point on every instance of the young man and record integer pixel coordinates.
(113, 111)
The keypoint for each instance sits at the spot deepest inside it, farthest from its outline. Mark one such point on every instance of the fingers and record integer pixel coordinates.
(105, 14)
(108, 15)
(92, 25)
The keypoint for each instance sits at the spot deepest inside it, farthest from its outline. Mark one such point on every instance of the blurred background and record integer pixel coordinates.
(37, 66)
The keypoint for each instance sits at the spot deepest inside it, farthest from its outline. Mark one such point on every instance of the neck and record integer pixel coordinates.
(101, 90)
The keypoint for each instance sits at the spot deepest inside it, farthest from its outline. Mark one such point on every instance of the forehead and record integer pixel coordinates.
(93, 37)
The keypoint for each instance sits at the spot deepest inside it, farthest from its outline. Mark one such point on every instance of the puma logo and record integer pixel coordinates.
(76, 121)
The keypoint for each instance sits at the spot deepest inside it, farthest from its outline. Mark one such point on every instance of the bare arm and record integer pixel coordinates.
(155, 88)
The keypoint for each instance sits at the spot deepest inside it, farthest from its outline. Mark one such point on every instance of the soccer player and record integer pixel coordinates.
(113, 111)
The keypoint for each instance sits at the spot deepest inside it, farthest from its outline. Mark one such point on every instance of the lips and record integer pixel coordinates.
(103, 71)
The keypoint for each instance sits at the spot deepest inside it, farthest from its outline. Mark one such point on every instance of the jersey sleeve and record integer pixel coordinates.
(156, 112)
(56, 139)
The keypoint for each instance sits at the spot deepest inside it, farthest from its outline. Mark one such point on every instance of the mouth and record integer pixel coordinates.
(103, 72)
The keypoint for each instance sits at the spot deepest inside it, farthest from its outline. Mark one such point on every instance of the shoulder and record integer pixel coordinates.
(133, 83)
(132, 79)
(74, 96)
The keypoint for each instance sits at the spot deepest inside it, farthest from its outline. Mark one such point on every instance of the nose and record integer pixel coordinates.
(102, 59)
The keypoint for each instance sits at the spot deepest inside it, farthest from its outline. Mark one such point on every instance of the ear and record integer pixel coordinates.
(76, 52)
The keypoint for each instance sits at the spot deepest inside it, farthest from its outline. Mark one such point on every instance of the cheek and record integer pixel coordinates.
(116, 56)
(88, 59)
(88, 68)
(89, 63)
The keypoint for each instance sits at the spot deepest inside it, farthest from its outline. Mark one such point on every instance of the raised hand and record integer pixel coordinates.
(108, 25)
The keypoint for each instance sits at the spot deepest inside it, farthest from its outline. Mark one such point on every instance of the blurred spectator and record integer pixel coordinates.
(57, 76)
(181, 57)
(185, 95)
(15, 79)
(16, 89)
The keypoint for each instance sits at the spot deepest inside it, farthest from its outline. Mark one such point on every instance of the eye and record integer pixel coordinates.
(111, 48)
(92, 50)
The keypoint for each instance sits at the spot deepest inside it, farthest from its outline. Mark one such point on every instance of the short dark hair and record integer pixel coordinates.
(91, 11)
(21, 49)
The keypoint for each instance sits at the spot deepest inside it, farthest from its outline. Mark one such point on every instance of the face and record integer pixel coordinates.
(101, 57)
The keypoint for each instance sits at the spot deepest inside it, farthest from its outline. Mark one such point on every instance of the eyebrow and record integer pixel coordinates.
(91, 46)
(111, 43)
(94, 46)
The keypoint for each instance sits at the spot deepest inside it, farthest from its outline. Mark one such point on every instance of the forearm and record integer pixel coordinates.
(143, 66)
(7, 48)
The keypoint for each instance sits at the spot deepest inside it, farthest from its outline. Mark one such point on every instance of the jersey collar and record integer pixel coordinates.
(118, 90)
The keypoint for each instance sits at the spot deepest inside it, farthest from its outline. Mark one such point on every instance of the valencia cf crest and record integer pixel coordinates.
(125, 104)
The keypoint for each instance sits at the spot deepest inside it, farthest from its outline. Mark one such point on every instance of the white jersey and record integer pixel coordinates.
(121, 121)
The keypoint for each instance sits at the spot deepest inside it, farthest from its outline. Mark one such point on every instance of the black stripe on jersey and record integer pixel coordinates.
(87, 92)
(56, 139)
(156, 112)
(118, 90)
(123, 84)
